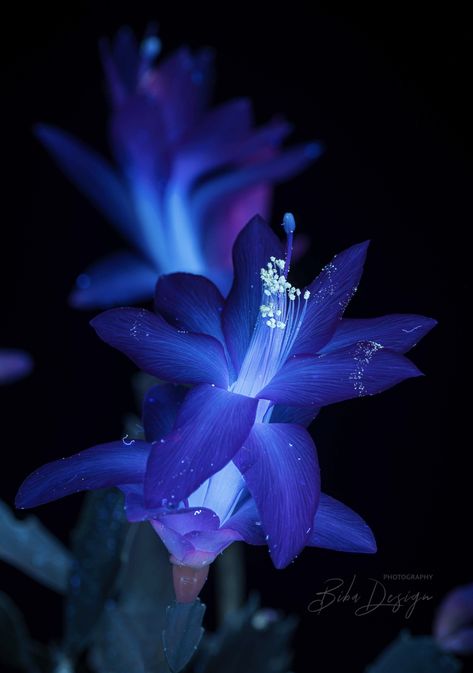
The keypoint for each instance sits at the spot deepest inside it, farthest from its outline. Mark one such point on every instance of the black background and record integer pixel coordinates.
(387, 90)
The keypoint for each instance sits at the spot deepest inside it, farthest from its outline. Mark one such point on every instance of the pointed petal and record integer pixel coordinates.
(280, 167)
(298, 415)
(93, 176)
(279, 463)
(161, 350)
(330, 293)
(398, 332)
(211, 426)
(99, 467)
(126, 56)
(247, 522)
(224, 224)
(121, 278)
(253, 248)
(14, 365)
(356, 371)
(160, 408)
(338, 527)
(190, 302)
(184, 83)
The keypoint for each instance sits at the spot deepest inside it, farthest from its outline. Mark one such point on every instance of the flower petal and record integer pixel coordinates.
(281, 166)
(93, 176)
(161, 350)
(330, 293)
(247, 522)
(453, 625)
(99, 467)
(14, 364)
(221, 492)
(279, 463)
(190, 302)
(253, 247)
(356, 371)
(194, 549)
(398, 332)
(338, 527)
(121, 278)
(160, 407)
(298, 415)
(211, 426)
(190, 519)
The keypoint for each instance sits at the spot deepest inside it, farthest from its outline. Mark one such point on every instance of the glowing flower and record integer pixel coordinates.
(14, 365)
(219, 512)
(188, 175)
(453, 627)
(262, 363)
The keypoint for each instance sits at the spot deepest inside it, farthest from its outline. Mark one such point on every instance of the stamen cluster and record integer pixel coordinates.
(275, 285)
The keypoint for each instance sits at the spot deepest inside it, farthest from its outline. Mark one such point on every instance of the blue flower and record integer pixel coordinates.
(261, 364)
(187, 175)
(219, 512)
(14, 364)
(453, 627)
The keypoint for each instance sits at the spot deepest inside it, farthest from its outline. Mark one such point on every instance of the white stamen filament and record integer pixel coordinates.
(282, 311)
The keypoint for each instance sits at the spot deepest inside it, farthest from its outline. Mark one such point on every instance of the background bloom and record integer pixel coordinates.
(453, 626)
(187, 175)
(14, 365)
(259, 380)
(197, 529)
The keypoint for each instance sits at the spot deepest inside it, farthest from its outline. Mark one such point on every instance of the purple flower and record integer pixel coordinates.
(187, 175)
(195, 530)
(261, 363)
(14, 365)
(453, 627)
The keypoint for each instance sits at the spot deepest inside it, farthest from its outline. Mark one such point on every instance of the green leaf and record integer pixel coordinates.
(252, 640)
(146, 590)
(117, 648)
(15, 644)
(182, 633)
(31, 548)
(97, 544)
(418, 654)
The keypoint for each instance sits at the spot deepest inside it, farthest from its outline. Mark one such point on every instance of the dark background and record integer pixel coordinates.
(387, 90)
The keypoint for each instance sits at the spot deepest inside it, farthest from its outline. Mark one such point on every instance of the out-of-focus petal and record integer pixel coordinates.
(157, 348)
(121, 278)
(355, 371)
(102, 466)
(211, 426)
(338, 527)
(93, 176)
(453, 625)
(14, 364)
(279, 463)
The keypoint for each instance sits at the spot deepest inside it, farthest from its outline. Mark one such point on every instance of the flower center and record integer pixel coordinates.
(282, 311)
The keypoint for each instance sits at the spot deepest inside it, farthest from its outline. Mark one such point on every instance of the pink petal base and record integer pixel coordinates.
(188, 582)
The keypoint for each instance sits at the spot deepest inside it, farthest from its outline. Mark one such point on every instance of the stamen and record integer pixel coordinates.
(282, 311)
(289, 224)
